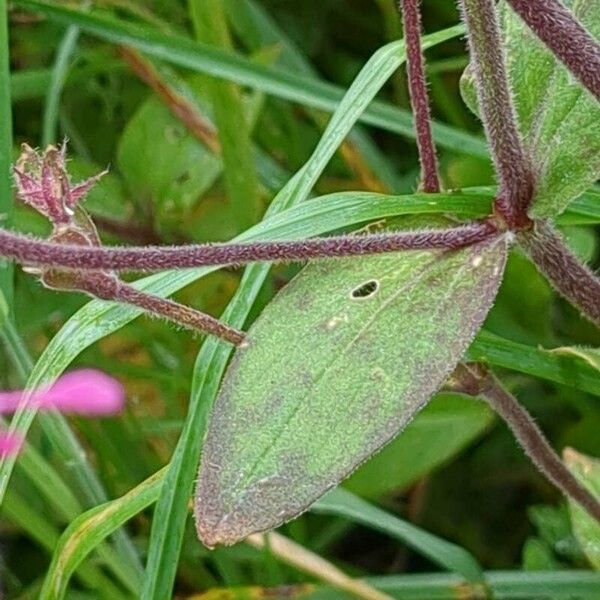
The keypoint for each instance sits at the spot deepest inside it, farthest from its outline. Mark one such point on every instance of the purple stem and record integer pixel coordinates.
(538, 449)
(513, 166)
(33, 251)
(108, 287)
(569, 276)
(568, 39)
(475, 379)
(419, 98)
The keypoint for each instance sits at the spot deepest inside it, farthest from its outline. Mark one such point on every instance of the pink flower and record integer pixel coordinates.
(85, 392)
(10, 443)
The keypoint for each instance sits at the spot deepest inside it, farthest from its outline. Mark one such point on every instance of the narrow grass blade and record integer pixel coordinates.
(17, 510)
(6, 149)
(210, 25)
(64, 53)
(90, 529)
(454, 558)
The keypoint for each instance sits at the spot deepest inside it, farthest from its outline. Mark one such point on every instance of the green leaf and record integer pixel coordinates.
(546, 364)
(585, 527)
(333, 369)
(439, 432)
(172, 505)
(161, 160)
(558, 118)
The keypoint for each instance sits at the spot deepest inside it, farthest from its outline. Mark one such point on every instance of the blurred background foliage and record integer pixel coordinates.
(456, 471)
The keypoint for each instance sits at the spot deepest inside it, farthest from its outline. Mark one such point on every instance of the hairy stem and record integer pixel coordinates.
(107, 287)
(565, 36)
(474, 379)
(569, 276)
(32, 251)
(415, 68)
(537, 447)
(513, 166)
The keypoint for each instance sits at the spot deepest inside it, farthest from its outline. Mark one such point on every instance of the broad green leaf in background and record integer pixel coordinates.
(335, 367)
(586, 528)
(161, 161)
(558, 118)
(444, 427)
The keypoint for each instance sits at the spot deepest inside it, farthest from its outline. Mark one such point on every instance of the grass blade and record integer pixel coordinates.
(92, 527)
(19, 512)
(6, 149)
(454, 558)
(57, 79)
(210, 25)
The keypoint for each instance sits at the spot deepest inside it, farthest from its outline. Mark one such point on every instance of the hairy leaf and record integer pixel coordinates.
(585, 527)
(333, 369)
(558, 118)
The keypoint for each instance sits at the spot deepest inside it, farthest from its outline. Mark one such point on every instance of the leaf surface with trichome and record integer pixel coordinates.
(334, 368)
(558, 118)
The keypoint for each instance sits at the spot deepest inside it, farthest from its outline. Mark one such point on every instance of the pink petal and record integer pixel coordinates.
(10, 444)
(86, 392)
(9, 401)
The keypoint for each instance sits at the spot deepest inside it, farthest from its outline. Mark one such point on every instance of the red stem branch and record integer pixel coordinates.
(475, 379)
(513, 165)
(569, 276)
(415, 68)
(565, 36)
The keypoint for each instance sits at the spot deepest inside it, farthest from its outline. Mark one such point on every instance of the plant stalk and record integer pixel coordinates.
(565, 36)
(31, 251)
(419, 98)
(179, 106)
(513, 166)
(108, 287)
(570, 277)
(474, 379)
